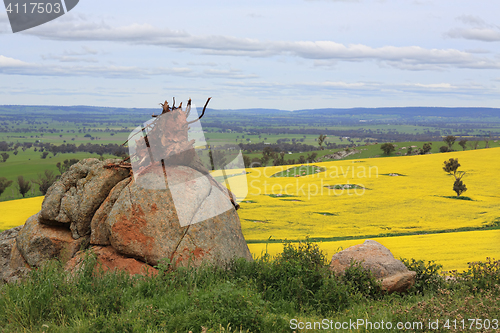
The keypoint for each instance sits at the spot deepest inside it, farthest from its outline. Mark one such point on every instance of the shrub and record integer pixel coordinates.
(444, 149)
(481, 275)
(298, 279)
(295, 275)
(361, 281)
(387, 148)
(427, 278)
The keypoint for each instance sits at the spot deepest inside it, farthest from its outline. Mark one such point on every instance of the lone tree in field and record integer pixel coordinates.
(463, 143)
(450, 140)
(387, 148)
(451, 166)
(321, 139)
(23, 185)
(4, 183)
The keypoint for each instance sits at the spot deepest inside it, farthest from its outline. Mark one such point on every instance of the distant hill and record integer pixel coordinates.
(473, 112)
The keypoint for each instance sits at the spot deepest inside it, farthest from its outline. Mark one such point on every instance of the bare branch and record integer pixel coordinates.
(202, 113)
(188, 108)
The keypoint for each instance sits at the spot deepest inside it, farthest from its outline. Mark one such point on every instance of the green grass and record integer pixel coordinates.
(345, 187)
(495, 225)
(326, 213)
(29, 164)
(459, 198)
(266, 295)
(373, 150)
(279, 195)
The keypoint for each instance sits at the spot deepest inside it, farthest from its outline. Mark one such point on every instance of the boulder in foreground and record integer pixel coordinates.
(392, 273)
(129, 226)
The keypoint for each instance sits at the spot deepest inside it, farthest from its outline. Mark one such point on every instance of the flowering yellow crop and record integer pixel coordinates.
(382, 203)
(393, 195)
(414, 201)
(452, 250)
(16, 212)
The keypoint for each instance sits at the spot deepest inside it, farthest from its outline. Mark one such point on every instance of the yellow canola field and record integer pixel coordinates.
(16, 212)
(452, 250)
(414, 201)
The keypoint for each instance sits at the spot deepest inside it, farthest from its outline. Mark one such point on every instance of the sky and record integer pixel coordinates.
(289, 55)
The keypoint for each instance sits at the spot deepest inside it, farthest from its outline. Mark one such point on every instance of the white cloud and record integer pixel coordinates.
(11, 62)
(472, 20)
(402, 57)
(335, 0)
(433, 85)
(74, 55)
(17, 67)
(230, 74)
(481, 30)
(481, 34)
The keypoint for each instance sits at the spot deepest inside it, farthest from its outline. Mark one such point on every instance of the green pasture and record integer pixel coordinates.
(373, 150)
(29, 164)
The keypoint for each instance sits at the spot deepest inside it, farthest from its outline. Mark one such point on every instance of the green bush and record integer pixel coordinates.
(298, 279)
(295, 275)
(361, 281)
(481, 275)
(258, 296)
(427, 278)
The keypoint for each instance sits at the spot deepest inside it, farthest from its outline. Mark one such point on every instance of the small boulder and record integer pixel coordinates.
(373, 256)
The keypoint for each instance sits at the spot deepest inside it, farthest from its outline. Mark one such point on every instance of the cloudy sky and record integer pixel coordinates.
(285, 54)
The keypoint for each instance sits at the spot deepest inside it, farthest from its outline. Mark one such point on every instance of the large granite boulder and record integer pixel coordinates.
(144, 222)
(174, 213)
(373, 256)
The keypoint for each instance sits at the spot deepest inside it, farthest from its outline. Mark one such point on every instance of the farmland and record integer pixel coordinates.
(415, 214)
(417, 209)
(405, 202)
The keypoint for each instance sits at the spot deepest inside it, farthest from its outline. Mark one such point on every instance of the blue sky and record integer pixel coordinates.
(289, 55)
